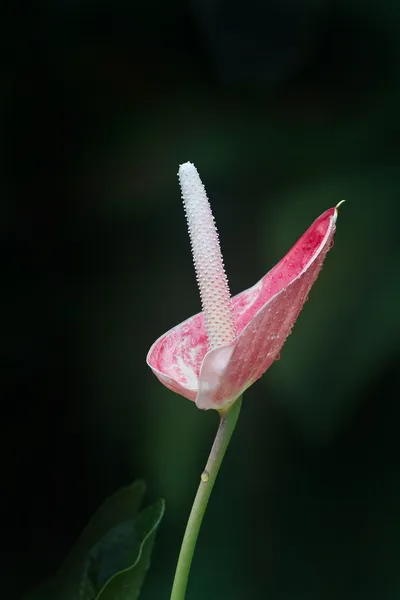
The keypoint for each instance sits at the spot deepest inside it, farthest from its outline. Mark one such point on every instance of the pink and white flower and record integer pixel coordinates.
(212, 357)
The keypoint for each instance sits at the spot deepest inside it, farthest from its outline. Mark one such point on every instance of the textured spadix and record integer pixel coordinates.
(264, 316)
(211, 278)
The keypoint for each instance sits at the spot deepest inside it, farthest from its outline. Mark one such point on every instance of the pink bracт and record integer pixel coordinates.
(217, 354)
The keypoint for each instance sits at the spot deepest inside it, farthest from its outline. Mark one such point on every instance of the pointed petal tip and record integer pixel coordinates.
(337, 209)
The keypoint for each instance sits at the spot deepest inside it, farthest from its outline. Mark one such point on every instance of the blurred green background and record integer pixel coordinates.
(285, 107)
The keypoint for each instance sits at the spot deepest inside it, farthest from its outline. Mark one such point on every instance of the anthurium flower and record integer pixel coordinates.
(215, 355)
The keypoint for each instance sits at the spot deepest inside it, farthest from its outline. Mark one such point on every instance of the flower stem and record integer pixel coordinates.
(226, 428)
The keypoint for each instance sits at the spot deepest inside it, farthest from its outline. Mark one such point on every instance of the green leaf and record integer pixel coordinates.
(112, 556)
(120, 507)
(134, 556)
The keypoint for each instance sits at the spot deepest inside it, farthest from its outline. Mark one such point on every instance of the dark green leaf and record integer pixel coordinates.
(111, 557)
(119, 508)
(112, 554)
(135, 561)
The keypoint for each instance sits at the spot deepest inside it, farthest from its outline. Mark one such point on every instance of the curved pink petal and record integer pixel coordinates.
(176, 357)
(264, 316)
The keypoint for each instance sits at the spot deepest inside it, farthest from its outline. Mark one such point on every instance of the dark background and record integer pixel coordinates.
(285, 107)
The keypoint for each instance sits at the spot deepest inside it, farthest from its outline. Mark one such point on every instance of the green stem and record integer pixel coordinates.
(208, 477)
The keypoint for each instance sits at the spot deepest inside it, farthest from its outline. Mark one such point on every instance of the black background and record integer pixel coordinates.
(285, 108)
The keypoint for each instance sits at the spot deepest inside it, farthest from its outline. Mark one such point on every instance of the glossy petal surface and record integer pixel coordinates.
(264, 317)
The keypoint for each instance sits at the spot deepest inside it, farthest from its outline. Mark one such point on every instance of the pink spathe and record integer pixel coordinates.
(263, 315)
